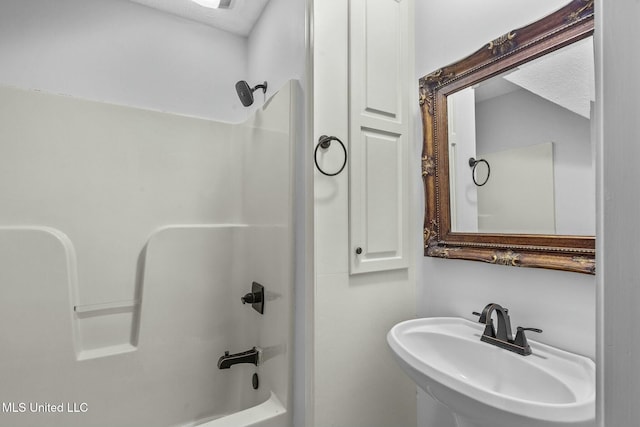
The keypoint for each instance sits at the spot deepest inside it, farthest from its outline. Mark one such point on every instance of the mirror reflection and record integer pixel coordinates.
(521, 150)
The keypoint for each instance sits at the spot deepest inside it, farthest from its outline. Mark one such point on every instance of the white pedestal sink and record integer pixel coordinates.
(486, 386)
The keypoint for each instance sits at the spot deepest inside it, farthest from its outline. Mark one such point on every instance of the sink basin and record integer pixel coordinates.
(486, 386)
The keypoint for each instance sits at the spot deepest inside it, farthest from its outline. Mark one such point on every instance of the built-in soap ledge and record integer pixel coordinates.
(113, 350)
(106, 329)
(88, 309)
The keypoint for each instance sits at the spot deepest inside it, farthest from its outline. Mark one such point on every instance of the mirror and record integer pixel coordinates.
(508, 157)
(529, 133)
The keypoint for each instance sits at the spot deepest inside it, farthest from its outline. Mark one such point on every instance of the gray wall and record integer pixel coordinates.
(618, 251)
(122, 53)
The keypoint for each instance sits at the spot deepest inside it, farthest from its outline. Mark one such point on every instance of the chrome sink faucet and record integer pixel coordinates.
(503, 337)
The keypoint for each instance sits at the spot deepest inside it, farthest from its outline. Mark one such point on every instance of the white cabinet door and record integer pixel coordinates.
(379, 77)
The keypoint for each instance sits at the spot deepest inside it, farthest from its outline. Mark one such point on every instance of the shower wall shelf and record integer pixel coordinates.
(107, 306)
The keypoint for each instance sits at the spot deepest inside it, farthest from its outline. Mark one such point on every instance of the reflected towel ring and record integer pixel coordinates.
(324, 142)
(473, 163)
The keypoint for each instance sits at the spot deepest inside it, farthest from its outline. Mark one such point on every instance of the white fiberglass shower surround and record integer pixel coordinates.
(127, 239)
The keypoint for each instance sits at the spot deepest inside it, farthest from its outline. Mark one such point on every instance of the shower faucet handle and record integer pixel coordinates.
(251, 298)
(255, 297)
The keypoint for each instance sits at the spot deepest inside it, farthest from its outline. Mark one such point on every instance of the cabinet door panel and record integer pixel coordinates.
(378, 94)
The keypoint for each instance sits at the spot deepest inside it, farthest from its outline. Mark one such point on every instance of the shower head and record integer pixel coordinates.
(245, 92)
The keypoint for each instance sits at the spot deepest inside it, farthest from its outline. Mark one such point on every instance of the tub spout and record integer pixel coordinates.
(251, 356)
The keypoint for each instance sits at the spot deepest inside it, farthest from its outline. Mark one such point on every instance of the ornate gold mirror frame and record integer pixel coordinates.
(560, 252)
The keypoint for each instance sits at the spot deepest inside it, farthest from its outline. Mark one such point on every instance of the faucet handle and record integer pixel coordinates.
(248, 298)
(489, 330)
(520, 328)
(521, 339)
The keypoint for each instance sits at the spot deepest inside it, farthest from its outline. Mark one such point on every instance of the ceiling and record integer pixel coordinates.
(565, 77)
(239, 19)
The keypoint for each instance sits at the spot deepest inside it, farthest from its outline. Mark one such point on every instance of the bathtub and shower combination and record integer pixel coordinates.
(128, 241)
